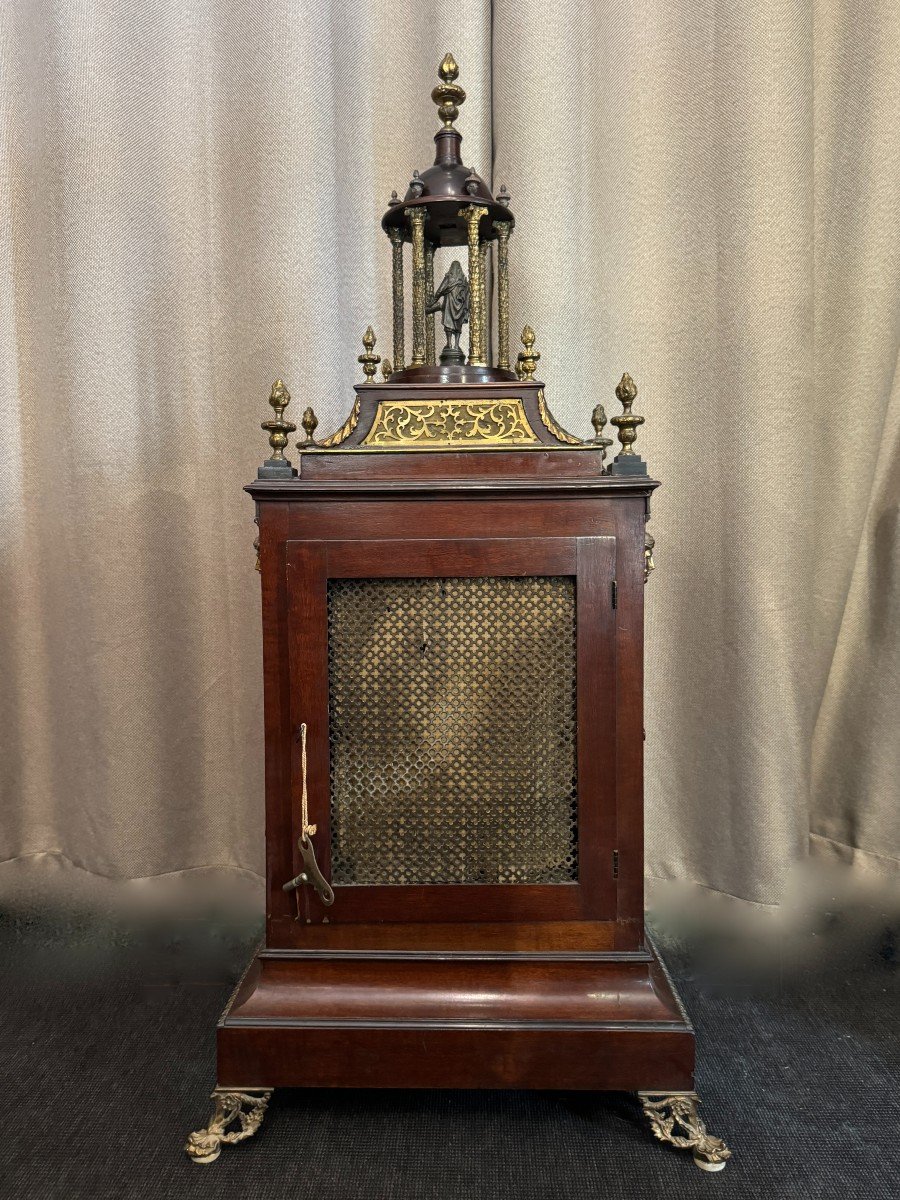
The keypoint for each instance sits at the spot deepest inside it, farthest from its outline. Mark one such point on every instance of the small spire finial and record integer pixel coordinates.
(598, 420)
(528, 358)
(369, 359)
(386, 369)
(448, 95)
(310, 423)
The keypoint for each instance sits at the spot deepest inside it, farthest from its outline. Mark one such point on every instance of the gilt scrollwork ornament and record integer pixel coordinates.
(675, 1119)
(247, 1108)
(430, 424)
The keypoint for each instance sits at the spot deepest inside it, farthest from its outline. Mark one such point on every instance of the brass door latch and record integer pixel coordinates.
(310, 873)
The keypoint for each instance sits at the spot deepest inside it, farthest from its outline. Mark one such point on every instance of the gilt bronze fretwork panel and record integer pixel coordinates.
(452, 730)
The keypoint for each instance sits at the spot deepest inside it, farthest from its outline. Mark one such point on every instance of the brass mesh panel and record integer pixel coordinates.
(452, 726)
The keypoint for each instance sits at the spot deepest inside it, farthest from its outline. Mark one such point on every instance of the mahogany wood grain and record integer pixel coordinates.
(450, 558)
(452, 989)
(449, 465)
(468, 937)
(496, 986)
(635, 1058)
(449, 1023)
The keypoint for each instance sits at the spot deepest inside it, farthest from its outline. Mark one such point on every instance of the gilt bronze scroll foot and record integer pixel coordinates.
(247, 1107)
(670, 1112)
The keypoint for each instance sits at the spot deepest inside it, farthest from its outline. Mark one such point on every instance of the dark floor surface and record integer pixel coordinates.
(108, 1038)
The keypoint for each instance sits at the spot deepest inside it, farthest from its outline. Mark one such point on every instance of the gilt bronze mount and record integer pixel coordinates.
(246, 1108)
(674, 1119)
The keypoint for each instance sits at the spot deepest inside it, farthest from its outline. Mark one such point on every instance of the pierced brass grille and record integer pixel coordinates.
(452, 730)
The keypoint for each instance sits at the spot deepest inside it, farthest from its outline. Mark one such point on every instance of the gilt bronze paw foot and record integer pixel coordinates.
(248, 1108)
(668, 1113)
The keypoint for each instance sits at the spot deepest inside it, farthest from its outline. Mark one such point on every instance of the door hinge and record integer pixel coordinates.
(615, 864)
(615, 594)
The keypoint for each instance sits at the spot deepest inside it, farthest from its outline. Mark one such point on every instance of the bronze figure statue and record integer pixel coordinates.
(452, 299)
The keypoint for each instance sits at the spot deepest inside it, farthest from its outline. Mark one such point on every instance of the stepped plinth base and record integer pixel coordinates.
(409, 1020)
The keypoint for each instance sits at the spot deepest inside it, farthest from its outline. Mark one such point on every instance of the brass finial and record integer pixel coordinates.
(528, 358)
(448, 95)
(369, 360)
(278, 429)
(310, 423)
(386, 369)
(627, 424)
(598, 420)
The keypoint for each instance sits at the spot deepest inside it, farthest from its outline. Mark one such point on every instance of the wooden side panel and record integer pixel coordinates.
(308, 672)
(629, 732)
(273, 525)
(596, 647)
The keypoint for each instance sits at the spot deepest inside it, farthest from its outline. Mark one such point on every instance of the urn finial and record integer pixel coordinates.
(368, 358)
(310, 423)
(278, 429)
(598, 420)
(627, 424)
(448, 95)
(528, 358)
(627, 462)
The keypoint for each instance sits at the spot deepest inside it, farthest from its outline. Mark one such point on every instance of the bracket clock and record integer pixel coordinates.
(452, 598)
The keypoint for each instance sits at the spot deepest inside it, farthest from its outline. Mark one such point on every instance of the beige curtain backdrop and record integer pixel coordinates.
(707, 195)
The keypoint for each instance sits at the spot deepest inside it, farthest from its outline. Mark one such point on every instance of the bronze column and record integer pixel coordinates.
(396, 237)
(429, 296)
(503, 229)
(417, 223)
(477, 351)
(485, 279)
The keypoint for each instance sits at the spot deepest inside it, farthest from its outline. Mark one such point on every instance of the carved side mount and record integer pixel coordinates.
(674, 1119)
(247, 1108)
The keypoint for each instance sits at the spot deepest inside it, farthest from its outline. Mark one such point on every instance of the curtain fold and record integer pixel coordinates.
(705, 196)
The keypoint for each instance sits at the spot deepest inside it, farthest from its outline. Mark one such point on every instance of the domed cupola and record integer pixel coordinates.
(449, 204)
